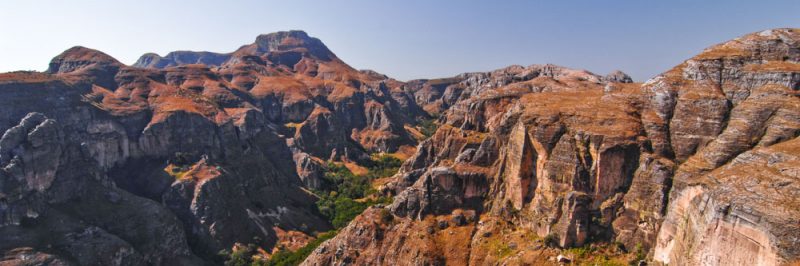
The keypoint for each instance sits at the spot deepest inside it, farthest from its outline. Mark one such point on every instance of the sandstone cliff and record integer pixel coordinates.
(694, 166)
(200, 151)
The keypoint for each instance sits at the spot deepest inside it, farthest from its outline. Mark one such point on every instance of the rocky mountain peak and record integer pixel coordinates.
(79, 58)
(178, 58)
(285, 41)
(618, 76)
(283, 47)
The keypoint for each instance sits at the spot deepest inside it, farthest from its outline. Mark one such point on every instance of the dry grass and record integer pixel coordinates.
(727, 50)
(404, 152)
(355, 168)
(470, 136)
(587, 111)
(774, 66)
(414, 132)
(26, 77)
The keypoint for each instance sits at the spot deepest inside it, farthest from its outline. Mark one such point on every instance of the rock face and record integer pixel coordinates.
(179, 58)
(719, 193)
(696, 166)
(52, 200)
(180, 157)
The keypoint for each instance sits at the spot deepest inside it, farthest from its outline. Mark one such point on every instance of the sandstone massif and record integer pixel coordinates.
(696, 166)
(174, 158)
(171, 160)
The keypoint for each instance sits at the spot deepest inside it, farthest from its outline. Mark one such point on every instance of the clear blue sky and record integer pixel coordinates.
(404, 39)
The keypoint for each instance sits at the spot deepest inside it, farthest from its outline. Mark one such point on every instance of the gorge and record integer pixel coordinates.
(195, 158)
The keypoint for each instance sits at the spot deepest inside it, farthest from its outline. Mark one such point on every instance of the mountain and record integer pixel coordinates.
(169, 163)
(695, 166)
(195, 158)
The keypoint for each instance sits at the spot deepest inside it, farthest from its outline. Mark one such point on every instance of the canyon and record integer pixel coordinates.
(173, 159)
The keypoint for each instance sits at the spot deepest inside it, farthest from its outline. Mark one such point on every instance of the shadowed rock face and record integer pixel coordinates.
(173, 161)
(56, 206)
(695, 165)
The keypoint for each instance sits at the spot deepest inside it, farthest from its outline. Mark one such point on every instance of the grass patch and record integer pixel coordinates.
(499, 248)
(580, 252)
(177, 172)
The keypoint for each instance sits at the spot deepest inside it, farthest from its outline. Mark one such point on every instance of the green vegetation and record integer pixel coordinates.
(551, 240)
(241, 257)
(427, 127)
(339, 202)
(344, 183)
(640, 253)
(340, 209)
(500, 248)
(383, 166)
(346, 196)
(579, 253)
(386, 216)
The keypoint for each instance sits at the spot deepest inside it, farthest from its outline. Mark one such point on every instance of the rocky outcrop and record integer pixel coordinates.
(52, 200)
(310, 170)
(618, 76)
(31, 152)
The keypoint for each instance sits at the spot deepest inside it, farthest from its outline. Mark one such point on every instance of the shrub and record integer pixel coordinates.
(640, 253)
(618, 246)
(551, 240)
(243, 256)
(383, 166)
(428, 127)
(338, 202)
(345, 183)
(346, 210)
(386, 216)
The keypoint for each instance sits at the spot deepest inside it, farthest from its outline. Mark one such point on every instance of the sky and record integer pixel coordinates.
(408, 39)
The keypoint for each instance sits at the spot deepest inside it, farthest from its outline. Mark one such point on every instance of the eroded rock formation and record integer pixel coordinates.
(177, 157)
(694, 166)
